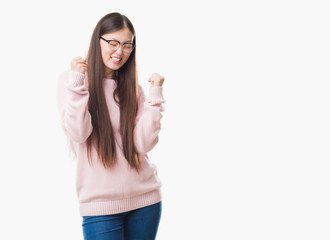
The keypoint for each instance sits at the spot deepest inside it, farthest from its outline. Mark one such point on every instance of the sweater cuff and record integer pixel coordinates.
(76, 79)
(156, 94)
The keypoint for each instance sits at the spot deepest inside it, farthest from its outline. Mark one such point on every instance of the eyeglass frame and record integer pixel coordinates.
(120, 44)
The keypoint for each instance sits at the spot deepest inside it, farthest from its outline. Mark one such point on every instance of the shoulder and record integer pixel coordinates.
(140, 92)
(140, 88)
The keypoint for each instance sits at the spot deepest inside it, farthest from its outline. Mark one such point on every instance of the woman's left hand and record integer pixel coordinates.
(156, 80)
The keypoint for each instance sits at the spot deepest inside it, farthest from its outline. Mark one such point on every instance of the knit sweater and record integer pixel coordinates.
(100, 190)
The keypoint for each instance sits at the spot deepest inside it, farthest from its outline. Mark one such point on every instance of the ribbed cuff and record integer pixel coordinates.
(119, 206)
(156, 95)
(76, 79)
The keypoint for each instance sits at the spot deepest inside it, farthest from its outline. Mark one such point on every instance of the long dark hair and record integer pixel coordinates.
(126, 95)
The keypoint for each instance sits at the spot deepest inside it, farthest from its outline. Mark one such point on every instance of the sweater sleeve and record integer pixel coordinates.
(148, 119)
(72, 98)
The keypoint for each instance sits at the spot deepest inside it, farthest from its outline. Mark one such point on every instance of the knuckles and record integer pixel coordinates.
(157, 77)
(77, 65)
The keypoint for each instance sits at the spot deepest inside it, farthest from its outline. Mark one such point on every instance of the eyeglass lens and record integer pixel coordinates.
(126, 47)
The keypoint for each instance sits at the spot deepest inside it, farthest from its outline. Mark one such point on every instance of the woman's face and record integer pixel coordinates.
(113, 58)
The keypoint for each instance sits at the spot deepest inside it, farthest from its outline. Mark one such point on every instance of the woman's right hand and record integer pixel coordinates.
(79, 65)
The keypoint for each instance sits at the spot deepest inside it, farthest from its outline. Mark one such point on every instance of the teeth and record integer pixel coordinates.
(116, 59)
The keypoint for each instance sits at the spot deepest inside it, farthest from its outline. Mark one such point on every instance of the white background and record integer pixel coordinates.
(244, 146)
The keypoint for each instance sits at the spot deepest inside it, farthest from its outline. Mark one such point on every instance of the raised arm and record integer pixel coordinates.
(73, 96)
(149, 115)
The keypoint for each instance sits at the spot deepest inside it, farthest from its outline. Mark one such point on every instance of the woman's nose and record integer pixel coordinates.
(119, 51)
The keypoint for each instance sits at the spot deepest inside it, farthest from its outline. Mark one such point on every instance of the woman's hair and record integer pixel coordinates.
(126, 95)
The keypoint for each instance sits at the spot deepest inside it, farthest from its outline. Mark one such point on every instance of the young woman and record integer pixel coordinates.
(112, 127)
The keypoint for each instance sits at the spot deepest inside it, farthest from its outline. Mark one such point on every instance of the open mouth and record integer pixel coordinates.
(116, 59)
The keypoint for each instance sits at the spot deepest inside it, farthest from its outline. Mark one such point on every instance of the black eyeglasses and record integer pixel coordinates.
(114, 45)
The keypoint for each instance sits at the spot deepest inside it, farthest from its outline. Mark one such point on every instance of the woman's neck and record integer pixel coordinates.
(109, 73)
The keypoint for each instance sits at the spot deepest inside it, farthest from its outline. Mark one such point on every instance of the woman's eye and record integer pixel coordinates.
(113, 44)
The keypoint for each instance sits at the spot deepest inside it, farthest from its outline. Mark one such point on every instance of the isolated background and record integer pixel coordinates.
(244, 146)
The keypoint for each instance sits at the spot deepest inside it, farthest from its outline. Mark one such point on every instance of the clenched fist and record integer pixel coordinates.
(156, 80)
(79, 65)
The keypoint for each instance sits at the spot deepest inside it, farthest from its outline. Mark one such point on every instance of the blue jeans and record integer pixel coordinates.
(138, 224)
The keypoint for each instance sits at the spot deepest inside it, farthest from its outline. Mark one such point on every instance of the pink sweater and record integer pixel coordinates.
(108, 191)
